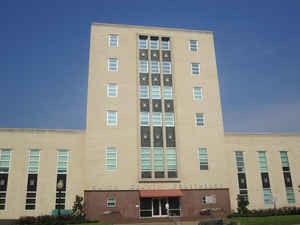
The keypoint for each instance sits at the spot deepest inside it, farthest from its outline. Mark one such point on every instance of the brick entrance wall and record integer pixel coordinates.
(127, 205)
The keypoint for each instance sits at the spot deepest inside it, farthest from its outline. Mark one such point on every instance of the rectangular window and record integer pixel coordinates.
(113, 40)
(166, 67)
(143, 42)
(158, 162)
(165, 43)
(156, 119)
(34, 161)
(112, 118)
(239, 157)
(268, 196)
(144, 92)
(154, 44)
(154, 67)
(290, 195)
(143, 66)
(4, 160)
(112, 90)
(199, 119)
(144, 118)
(110, 203)
(262, 162)
(197, 93)
(171, 162)
(203, 158)
(111, 158)
(112, 65)
(193, 45)
(284, 160)
(156, 92)
(169, 119)
(195, 68)
(62, 161)
(168, 93)
(5, 156)
(146, 163)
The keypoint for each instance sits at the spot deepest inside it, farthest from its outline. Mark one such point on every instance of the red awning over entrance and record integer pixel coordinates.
(160, 193)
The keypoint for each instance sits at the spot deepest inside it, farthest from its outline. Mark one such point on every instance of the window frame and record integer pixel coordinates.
(198, 69)
(110, 40)
(107, 158)
(170, 91)
(169, 115)
(154, 89)
(165, 41)
(155, 115)
(192, 47)
(107, 120)
(200, 97)
(109, 63)
(157, 42)
(139, 45)
(201, 158)
(141, 91)
(108, 90)
(151, 66)
(203, 118)
(163, 67)
(114, 202)
(147, 123)
(143, 61)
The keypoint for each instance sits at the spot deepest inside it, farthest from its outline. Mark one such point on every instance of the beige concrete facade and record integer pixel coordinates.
(87, 158)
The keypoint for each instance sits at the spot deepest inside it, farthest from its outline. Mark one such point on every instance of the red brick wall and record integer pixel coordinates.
(126, 201)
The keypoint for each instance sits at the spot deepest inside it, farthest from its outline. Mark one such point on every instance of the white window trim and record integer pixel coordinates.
(204, 120)
(140, 66)
(163, 67)
(57, 150)
(35, 161)
(201, 94)
(197, 46)
(158, 66)
(111, 125)
(106, 159)
(168, 45)
(115, 203)
(157, 44)
(146, 43)
(148, 115)
(195, 74)
(9, 163)
(107, 90)
(161, 122)
(117, 62)
(109, 37)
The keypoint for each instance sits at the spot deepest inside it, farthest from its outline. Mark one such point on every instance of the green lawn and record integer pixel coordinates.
(270, 220)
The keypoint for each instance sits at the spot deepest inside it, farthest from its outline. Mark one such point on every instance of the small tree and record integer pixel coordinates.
(242, 205)
(78, 208)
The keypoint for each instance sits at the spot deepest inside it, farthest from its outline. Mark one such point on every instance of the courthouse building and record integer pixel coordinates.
(154, 144)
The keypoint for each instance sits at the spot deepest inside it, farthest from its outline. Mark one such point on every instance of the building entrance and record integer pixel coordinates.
(159, 207)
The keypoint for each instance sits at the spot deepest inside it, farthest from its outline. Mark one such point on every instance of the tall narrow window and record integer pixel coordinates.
(156, 119)
(168, 93)
(290, 195)
(195, 68)
(112, 65)
(112, 90)
(144, 91)
(5, 155)
(143, 66)
(61, 181)
(143, 42)
(262, 158)
(193, 45)
(165, 43)
(144, 118)
(169, 119)
(112, 118)
(113, 40)
(240, 165)
(172, 162)
(33, 170)
(197, 92)
(111, 159)
(154, 44)
(158, 163)
(156, 92)
(166, 67)
(199, 119)
(154, 67)
(203, 158)
(146, 163)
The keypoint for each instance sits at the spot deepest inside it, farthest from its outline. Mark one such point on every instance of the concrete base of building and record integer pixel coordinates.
(129, 206)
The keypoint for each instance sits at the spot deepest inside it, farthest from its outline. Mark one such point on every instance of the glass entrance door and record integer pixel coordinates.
(159, 207)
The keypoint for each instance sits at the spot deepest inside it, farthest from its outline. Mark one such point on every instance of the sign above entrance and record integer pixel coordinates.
(160, 193)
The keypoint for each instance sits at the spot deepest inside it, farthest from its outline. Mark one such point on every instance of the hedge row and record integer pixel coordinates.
(51, 220)
(268, 212)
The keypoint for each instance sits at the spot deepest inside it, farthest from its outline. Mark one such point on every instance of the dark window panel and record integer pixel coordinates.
(156, 105)
(2, 195)
(155, 79)
(157, 137)
(59, 206)
(60, 201)
(155, 55)
(144, 79)
(62, 195)
(243, 192)
(143, 37)
(2, 207)
(242, 181)
(143, 54)
(145, 136)
(30, 201)
(31, 195)
(30, 207)
(146, 174)
(203, 167)
(288, 179)
(169, 106)
(2, 200)
(159, 174)
(147, 213)
(168, 80)
(174, 203)
(32, 182)
(170, 137)
(144, 105)
(166, 56)
(62, 177)
(3, 181)
(286, 168)
(265, 180)
(172, 174)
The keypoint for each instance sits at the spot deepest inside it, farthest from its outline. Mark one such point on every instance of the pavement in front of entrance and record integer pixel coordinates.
(166, 223)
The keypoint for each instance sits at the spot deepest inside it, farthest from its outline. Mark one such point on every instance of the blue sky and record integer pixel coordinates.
(44, 51)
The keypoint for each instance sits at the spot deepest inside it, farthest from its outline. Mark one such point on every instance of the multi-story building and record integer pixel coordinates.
(154, 145)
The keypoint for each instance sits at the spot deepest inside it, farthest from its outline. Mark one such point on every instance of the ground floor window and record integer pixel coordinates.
(158, 207)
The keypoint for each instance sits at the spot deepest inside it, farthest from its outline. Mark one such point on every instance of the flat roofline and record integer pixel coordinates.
(260, 133)
(151, 27)
(40, 130)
